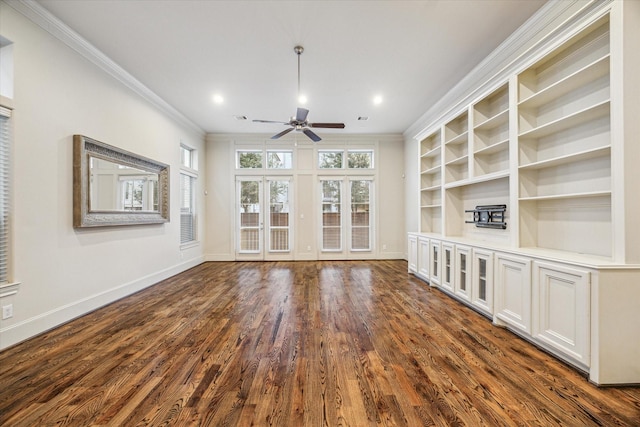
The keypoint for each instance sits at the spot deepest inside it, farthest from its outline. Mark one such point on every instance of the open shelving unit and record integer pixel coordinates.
(456, 144)
(564, 147)
(491, 133)
(431, 183)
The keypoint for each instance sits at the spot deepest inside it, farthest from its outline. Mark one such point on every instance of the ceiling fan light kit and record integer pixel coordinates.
(299, 122)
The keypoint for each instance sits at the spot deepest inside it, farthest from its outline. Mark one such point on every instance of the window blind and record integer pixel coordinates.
(5, 138)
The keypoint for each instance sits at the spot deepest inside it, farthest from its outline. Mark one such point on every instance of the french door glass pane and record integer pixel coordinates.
(279, 216)
(249, 216)
(360, 215)
(331, 215)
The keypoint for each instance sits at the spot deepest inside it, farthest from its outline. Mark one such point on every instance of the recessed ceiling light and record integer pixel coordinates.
(240, 117)
(377, 100)
(218, 99)
(363, 118)
(302, 99)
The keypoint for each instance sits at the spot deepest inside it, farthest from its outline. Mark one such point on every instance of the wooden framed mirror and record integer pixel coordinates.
(114, 187)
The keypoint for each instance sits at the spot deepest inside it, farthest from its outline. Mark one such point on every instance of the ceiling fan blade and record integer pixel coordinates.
(327, 125)
(301, 114)
(270, 121)
(312, 135)
(283, 133)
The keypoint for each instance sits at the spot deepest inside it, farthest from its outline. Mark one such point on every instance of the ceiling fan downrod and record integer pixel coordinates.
(298, 50)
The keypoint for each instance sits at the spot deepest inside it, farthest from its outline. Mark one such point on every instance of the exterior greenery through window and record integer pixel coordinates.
(279, 159)
(188, 178)
(250, 159)
(330, 159)
(356, 159)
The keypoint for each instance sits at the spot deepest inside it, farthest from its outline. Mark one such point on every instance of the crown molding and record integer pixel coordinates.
(552, 22)
(45, 20)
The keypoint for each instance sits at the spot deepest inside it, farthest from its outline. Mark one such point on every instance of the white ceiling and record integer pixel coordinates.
(409, 52)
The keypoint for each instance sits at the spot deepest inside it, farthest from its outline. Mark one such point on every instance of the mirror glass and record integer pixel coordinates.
(117, 187)
(114, 187)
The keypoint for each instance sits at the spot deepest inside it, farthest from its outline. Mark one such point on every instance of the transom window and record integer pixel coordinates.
(282, 159)
(249, 159)
(356, 159)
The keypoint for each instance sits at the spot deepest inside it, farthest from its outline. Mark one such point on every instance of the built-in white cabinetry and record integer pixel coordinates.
(482, 280)
(423, 257)
(561, 309)
(554, 137)
(447, 281)
(412, 254)
(463, 272)
(513, 291)
(435, 256)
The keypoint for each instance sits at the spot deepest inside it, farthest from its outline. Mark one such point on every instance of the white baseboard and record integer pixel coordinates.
(43, 322)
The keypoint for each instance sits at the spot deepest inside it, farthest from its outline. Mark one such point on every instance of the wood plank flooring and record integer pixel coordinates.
(358, 343)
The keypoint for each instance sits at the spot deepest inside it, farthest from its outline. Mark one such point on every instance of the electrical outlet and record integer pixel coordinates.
(7, 311)
(384, 247)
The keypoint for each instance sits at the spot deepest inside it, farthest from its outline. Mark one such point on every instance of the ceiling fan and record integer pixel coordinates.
(299, 121)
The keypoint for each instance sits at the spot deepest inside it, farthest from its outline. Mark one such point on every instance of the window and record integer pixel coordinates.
(331, 215)
(249, 159)
(360, 159)
(5, 138)
(330, 159)
(360, 215)
(356, 159)
(279, 159)
(186, 157)
(188, 179)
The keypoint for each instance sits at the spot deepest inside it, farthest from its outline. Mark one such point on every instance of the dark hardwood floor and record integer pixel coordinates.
(295, 344)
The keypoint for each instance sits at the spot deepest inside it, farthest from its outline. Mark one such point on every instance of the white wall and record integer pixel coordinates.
(389, 239)
(63, 272)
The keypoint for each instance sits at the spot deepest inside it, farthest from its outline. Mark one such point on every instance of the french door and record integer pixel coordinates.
(264, 218)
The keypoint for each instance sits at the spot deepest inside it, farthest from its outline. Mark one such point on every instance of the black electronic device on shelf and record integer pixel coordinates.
(489, 216)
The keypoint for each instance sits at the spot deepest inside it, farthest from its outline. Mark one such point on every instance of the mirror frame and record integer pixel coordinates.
(84, 148)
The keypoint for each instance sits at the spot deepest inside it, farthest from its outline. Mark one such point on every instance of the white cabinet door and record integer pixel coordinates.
(482, 285)
(447, 280)
(462, 265)
(423, 258)
(412, 253)
(513, 291)
(561, 309)
(435, 256)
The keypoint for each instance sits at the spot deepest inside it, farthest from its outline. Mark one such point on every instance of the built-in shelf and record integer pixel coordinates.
(590, 113)
(493, 148)
(583, 76)
(458, 161)
(569, 158)
(432, 153)
(479, 179)
(568, 196)
(431, 171)
(495, 121)
(460, 139)
(432, 188)
(431, 206)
